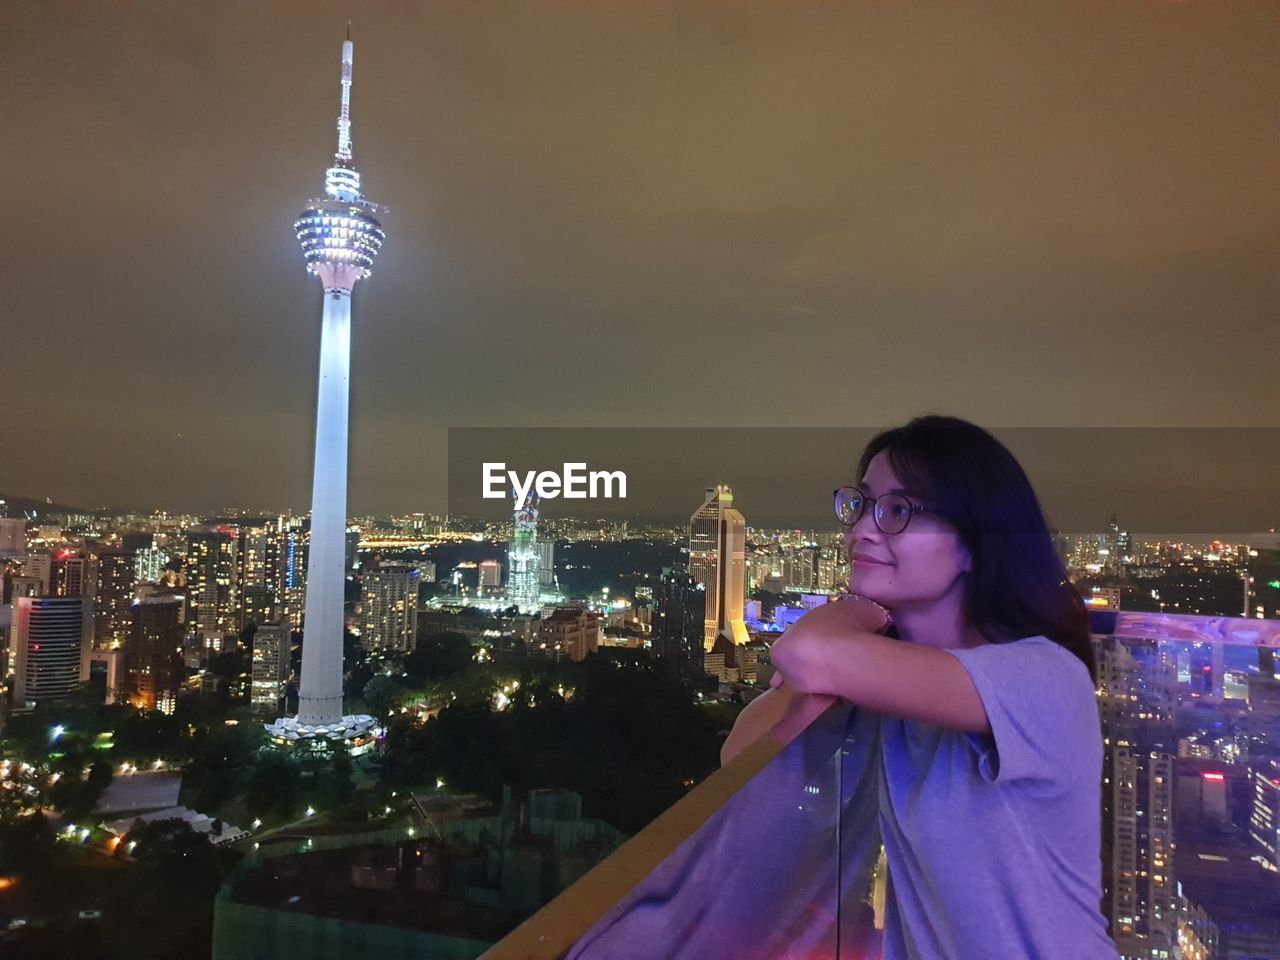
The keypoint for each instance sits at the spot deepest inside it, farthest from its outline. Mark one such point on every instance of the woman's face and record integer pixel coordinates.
(919, 565)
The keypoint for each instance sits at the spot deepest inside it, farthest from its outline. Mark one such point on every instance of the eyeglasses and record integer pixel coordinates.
(892, 511)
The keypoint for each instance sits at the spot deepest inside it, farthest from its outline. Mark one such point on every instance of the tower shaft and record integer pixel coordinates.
(320, 693)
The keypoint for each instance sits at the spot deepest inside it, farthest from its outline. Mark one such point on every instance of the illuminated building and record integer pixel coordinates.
(52, 639)
(153, 667)
(340, 236)
(72, 573)
(1137, 683)
(524, 558)
(490, 577)
(717, 560)
(1264, 816)
(114, 597)
(212, 601)
(258, 574)
(271, 660)
(291, 550)
(828, 568)
(546, 566)
(148, 564)
(1262, 598)
(389, 608)
(568, 633)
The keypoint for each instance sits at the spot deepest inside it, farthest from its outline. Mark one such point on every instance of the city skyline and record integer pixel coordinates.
(591, 191)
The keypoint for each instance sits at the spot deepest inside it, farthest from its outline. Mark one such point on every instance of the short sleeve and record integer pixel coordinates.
(1041, 705)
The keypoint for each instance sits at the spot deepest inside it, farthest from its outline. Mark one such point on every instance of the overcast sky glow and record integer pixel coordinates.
(721, 214)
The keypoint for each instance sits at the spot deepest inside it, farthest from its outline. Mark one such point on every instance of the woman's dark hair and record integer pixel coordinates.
(1018, 584)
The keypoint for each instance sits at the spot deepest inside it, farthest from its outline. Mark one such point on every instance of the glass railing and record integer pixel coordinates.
(784, 865)
(744, 866)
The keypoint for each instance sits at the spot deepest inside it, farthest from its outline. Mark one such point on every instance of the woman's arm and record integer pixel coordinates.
(757, 717)
(825, 651)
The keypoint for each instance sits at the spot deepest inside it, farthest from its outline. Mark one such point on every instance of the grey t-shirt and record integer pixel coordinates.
(993, 841)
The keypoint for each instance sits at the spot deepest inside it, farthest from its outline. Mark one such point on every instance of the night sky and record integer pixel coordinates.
(625, 214)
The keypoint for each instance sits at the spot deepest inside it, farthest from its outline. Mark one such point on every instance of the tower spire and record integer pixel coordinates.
(343, 155)
(342, 181)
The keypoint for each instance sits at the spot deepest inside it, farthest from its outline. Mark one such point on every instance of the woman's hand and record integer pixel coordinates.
(802, 656)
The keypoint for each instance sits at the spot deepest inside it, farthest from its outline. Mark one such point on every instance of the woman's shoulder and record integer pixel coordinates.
(1041, 705)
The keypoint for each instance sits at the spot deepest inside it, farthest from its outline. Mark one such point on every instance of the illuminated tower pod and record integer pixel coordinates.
(340, 236)
(523, 580)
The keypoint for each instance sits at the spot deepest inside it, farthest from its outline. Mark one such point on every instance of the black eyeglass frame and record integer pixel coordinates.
(911, 505)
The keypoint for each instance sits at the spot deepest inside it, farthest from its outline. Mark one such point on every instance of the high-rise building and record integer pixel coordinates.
(22, 586)
(1262, 578)
(524, 558)
(828, 568)
(351, 550)
(490, 577)
(72, 573)
(258, 573)
(678, 622)
(291, 548)
(38, 565)
(102, 674)
(153, 670)
(546, 566)
(340, 236)
(1137, 690)
(114, 598)
(211, 579)
(52, 638)
(148, 564)
(389, 608)
(271, 659)
(717, 560)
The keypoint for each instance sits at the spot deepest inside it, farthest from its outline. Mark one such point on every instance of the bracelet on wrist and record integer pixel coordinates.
(888, 617)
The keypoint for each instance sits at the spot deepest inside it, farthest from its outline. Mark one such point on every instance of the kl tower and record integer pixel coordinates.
(340, 235)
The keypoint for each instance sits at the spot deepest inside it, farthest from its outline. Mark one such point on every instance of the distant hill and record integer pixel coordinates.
(43, 509)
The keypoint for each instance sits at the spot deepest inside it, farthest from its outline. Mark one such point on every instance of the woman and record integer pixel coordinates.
(969, 642)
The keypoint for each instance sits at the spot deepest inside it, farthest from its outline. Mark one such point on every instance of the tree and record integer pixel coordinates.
(437, 656)
(382, 695)
(185, 858)
(338, 787)
(28, 845)
(273, 785)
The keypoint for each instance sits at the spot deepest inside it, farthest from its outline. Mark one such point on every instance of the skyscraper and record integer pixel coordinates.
(114, 597)
(717, 560)
(389, 608)
(153, 667)
(271, 657)
(1137, 681)
(291, 547)
(679, 616)
(210, 567)
(72, 573)
(52, 639)
(523, 557)
(340, 236)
